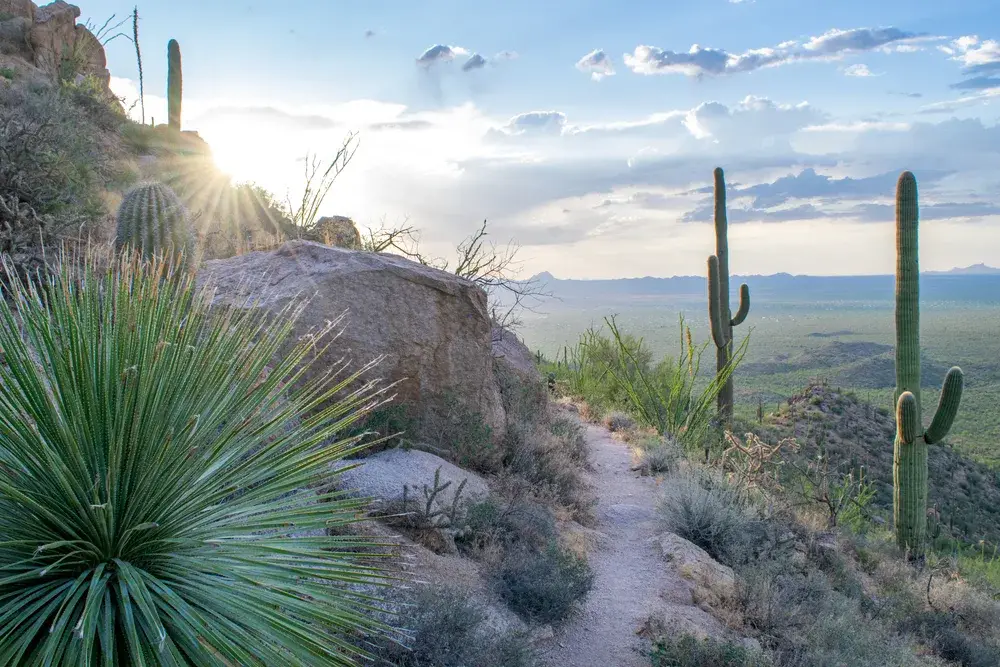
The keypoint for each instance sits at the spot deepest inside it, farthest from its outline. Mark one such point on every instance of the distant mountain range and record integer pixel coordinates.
(974, 270)
(978, 283)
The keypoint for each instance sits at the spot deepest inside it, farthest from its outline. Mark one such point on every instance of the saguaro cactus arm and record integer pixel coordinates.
(944, 416)
(907, 418)
(744, 309)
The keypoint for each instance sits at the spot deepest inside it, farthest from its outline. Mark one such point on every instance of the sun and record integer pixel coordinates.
(234, 150)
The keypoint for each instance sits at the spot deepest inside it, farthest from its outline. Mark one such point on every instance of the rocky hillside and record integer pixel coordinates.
(47, 42)
(964, 496)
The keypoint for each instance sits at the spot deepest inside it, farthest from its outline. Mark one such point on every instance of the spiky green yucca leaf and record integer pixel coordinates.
(157, 476)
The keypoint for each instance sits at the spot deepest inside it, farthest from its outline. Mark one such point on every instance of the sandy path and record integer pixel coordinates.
(629, 573)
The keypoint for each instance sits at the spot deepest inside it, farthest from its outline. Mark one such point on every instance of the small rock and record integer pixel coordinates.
(674, 620)
(336, 230)
(544, 633)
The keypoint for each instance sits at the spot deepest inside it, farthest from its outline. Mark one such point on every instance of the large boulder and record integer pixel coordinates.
(17, 17)
(511, 352)
(56, 39)
(384, 476)
(432, 326)
(17, 9)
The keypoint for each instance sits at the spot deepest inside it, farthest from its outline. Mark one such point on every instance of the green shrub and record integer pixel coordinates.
(942, 631)
(160, 502)
(705, 510)
(657, 455)
(619, 421)
(544, 586)
(547, 450)
(462, 435)
(492, 523)
(57, 154)
(688, 651)
(447, 629)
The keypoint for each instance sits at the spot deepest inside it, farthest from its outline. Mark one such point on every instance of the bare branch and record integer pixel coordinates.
(317, 181)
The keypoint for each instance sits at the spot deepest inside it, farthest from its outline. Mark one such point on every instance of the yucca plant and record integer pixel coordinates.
(162, 484)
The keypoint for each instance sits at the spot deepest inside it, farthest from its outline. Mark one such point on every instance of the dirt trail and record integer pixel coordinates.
(630, 574)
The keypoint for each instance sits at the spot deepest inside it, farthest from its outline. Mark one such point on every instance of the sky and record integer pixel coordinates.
(587, 131)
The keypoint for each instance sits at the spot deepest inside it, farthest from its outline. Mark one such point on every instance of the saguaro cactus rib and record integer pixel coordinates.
(910, 446)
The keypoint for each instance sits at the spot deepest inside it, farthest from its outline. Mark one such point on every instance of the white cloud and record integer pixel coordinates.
(859, 70)
(619, 186)
(597, 64)
(700, 61)
(544, 122)
(440, 53)
(977, 55)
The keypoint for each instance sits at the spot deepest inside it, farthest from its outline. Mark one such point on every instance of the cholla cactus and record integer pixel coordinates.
(909, 470)
(720, 316)
(153, 220)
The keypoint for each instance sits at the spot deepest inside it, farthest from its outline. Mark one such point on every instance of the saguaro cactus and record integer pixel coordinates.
(153, 220)
(719, 313)
(909, 469)
(175, 84)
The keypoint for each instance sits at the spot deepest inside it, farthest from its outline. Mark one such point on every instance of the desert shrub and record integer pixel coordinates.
(547, 450)
(161, 498)
(461, 434)
(804, 621)
(657, 455)
(704, 509)
(544, 586)
(689, 651)
(444, 628)
(57, 155)
(619, 421)
(573, 437)
(493, 526)
(942, 630)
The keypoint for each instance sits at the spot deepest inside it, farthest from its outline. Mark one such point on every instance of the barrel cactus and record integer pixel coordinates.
(153, 220)
(175, 84)
(720, 315)
(909, 470)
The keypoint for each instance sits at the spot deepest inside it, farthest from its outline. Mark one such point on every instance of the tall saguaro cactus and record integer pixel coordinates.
(175, 84)
(909, 469)
(720, 315)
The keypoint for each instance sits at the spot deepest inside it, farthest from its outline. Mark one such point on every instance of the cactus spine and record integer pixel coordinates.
(153, 220)
(175, 84)
(720, 315)
(909, 470)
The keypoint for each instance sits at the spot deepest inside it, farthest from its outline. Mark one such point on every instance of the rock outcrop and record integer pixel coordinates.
(338, 231)
(383, 477)
(514, 355)
(433, 326)
(49, 39)
(711, 583)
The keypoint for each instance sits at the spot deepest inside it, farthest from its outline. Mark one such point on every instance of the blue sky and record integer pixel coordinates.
(587, 131)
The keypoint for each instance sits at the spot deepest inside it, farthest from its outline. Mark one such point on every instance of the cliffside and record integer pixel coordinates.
(50, 42)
